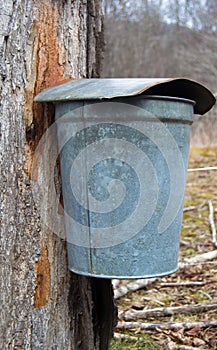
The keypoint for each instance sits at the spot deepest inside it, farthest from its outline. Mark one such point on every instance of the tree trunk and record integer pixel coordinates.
(43, 305)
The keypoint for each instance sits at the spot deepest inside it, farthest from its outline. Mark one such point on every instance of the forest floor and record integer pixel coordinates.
(191, 292)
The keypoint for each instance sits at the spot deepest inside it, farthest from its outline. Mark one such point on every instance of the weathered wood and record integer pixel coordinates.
(169, 325)
(43, 305)
(132, 286)
(212, 223)
(166, 311)
(127, 337)
(183, 284)
(199, 258)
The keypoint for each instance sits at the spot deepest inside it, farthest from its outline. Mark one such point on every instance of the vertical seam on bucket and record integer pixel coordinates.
(86, 189)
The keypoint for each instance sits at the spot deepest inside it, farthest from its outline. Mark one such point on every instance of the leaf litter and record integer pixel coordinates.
(193, 284)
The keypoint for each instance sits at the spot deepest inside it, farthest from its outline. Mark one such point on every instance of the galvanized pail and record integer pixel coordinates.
(123, 168)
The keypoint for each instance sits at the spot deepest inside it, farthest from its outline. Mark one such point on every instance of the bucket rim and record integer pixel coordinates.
(126, 99)
(152, 97)
(123, 277)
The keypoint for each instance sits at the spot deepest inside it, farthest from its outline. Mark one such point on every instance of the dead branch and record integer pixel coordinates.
(200, 258)
(186, 347)
(183, 284)
(212, 223)
(132, 287)
(165, 326)
(127, 337)
(168, 311)
(203, 169)
(186, 243)
(116, 283)
(192, 207)
(206, 294)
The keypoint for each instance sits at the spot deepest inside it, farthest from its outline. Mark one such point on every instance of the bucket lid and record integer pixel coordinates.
(98, 89)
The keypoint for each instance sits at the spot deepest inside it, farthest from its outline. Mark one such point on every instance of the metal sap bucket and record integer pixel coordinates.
(123, 168)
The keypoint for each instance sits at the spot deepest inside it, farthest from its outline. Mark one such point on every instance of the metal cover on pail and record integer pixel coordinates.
(124, 155)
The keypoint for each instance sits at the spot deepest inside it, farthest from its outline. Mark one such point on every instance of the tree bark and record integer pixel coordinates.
(44, 306)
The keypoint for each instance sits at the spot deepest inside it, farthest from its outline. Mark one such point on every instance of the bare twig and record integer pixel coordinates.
(206, 294)
(165, 326)
(168, 311)
(200, 258)
(116, 283)
(212, 223)
(203, 169)
(132, 287)
(127, 337)
(186, 347)
(192, 207)
(183, 284)
(185, 243)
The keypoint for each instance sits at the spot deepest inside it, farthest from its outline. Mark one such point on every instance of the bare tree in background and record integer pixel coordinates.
(165, 38)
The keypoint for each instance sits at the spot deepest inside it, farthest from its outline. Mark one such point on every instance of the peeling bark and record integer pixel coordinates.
(42, 270)
(44, 306)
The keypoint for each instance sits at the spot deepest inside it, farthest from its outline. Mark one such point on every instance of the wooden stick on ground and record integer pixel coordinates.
(132, 287)
(183, 284)
(199, 258)
(127, 337)
(165, 326)
(186, 347)
(192, 207)
(212, 223)
(166, 311)
(203, 169)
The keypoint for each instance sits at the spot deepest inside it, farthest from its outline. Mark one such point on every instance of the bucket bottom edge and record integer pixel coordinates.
(88, 274)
